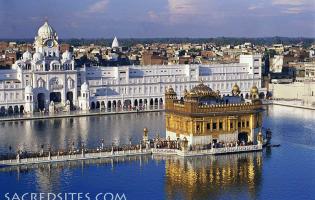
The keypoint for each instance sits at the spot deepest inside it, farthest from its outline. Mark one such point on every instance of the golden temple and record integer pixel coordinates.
(204, 117)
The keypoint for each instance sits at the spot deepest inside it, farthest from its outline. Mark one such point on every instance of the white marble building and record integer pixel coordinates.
(35, 81)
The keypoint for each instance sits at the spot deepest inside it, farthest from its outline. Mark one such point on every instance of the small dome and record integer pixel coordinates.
(38, 56)
(67, 55)
(27, 56)
(170, 91)
(115, 43)
(236, 90)
(201, 89)
(84, 87)
(254, 90)
(46, 31)
(28, 89)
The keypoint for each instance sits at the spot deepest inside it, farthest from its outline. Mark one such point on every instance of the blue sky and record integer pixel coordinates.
(159, 18)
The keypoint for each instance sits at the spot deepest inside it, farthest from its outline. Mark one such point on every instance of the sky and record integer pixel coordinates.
(158, 18)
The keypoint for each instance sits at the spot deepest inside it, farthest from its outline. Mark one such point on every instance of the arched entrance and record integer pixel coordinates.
(243, 137)
(70, 98)
(92, 105)
(55, 97)
(114, 104)
(98, 105)
(109, 104)
(161, 101)
(41, 101)
(261, 95)
(136, 102)
(10, 110)
(2, 110)
(127, 103)
(16, 109)
(21, 109)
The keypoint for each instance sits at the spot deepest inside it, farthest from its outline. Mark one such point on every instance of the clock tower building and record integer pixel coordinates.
(46, 41)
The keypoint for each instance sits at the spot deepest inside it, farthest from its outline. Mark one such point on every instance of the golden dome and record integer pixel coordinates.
(254, 90)
(201, 89)
(236, 90)
(145, 129)
(170, 90)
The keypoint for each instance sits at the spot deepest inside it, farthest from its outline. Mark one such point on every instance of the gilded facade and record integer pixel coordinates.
(203, 116)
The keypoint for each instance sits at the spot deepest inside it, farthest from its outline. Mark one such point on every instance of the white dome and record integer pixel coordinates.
(67, 55)
(46, 31)
(27, 55)
(38, 56)
(28, 89)
(115, 43)
(84, 87)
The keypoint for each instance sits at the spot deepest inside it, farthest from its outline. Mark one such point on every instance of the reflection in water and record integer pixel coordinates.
(60, 133)
(53, 177)
(185, 178)
(284, 174)
(213, 176)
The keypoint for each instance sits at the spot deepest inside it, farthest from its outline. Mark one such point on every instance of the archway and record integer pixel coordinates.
(243, 137)
(145, 101)
(161, 101)
(119, 104)
(114, 104)
(92, 105)
(136, 102)
(127, 103)
(151, 102)
(10, 110)
(41, 101)
(70, 98)
(55, 97)
(98, 105)
(261, 95)
(246, 96)
(16, 109)
(140, 102)
(109, 104)
(21, 109)
(2, 110)
(103, 104)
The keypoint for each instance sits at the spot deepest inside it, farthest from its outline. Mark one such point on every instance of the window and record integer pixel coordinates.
(208, 126)
(243, 124)
(198, 128)
(239, 125)
(231, 125)
(214, 126)
(220, 125)
(247, 124)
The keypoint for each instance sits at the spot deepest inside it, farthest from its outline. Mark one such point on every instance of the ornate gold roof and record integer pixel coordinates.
(202, 90)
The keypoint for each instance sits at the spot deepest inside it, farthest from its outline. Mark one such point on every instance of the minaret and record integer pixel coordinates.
(29, 99)
(85, 97)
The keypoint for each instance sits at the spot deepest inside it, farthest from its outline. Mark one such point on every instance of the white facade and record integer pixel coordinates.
(52, 77)
(139, 85)
(36, 80)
